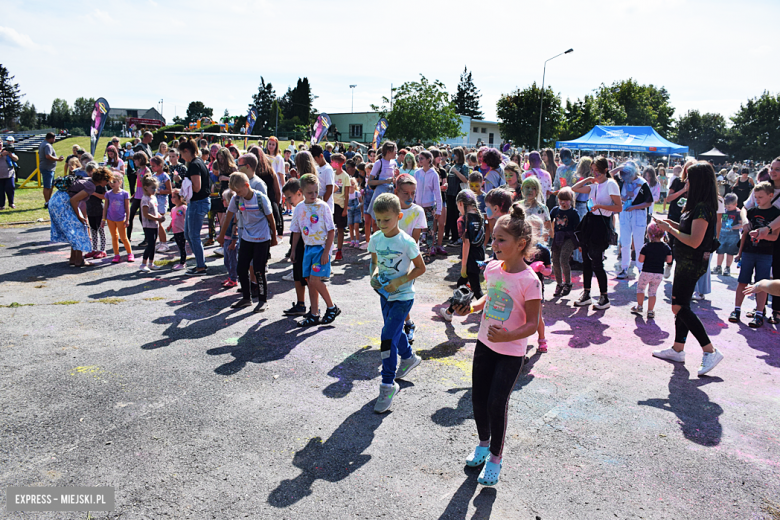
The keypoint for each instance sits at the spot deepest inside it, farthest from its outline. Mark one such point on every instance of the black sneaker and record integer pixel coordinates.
(240, 304)
(558, 291)
(603, 303)
(734, 317)
(261, 306)
(757, 321)
(194, 272)
(143, 244)
(46, 205)
(297, 309)
(309, 320)
(583, 300)
(566, 289)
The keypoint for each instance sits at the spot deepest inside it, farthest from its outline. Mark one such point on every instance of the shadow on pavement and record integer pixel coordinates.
(363, 365)
(697, 415)
(331, 460)
(763, 341)
(459, 504)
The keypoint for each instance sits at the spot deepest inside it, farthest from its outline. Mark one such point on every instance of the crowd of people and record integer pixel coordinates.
(515, 220)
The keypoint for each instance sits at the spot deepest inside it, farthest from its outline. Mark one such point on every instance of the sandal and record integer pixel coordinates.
(750, 314)
(489, 474)
(330, 315)
(479, 456)
(309, 320)
(774, 319)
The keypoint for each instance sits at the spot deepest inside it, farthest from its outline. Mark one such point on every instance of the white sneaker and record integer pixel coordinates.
(288, 277)
(444, 314)
(364, 246)
(697, 296)
(219, 251)
(667, 271)
(710, 361)
(670, 354)
(154, 267)
(622, 275)
(144, 268)
(162, 247)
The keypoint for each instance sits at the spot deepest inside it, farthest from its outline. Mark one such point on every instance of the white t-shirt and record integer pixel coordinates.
(327, 178)
(278, 164)
(313, 222)
(601, 194)
(414, 218)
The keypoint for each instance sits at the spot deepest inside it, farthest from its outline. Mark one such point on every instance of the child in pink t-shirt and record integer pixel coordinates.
(511, 311)
(178, 214)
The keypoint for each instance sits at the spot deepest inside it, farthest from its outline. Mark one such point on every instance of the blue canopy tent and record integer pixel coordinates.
(623, 139)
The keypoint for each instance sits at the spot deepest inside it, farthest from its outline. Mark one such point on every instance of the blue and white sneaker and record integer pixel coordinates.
(409, 328)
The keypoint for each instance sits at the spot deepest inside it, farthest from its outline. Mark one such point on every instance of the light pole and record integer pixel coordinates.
(161, 108)
(353, 97)
(541, 103)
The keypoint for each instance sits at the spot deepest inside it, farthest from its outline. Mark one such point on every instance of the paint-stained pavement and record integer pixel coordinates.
(151, 384)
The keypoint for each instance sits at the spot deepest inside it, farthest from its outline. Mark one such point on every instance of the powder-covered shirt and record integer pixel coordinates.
(342, 181)
(139, 187)
(601, 194)
(313, 221)
(116, 205)
(505, 305)
(539, 210)
(493, 179)
(731, 221)
(565, 176)
(414, 218)
(394, 257)
(178, 214)
(252, 216)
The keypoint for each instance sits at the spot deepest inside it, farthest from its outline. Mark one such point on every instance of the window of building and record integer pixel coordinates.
(355, 131)
(484, 130)
(490, 138)
(476, 129)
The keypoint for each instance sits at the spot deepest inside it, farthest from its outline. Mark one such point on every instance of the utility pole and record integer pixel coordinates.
(541, 103)
(353, 97)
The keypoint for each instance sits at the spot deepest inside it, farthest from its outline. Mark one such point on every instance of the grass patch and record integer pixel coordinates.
(110, 301)
(772, 508)
(66, 302)
(14, 305)
(154, 299)
(163, 263)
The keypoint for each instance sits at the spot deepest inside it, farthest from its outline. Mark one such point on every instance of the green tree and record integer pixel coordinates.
(701, 132)
(579, 118)
(755, 133)
(28, 119)
(518, 115)
(263, 101)
(467, 97)
(421, 110)
(627, 102)
(10, 99)
(196, 110)
(178, 120)
(81, 115)
(60, 114)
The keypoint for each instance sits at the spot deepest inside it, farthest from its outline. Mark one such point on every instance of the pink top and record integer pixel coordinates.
(505, 305)
(177, 218)
(139, 187)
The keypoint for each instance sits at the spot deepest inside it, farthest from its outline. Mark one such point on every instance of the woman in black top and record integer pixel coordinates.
(458, 174)
(199, 205)
(694, 242)
(743, 187)
(267, 174)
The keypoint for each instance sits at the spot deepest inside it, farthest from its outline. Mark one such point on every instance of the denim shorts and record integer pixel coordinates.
(761, 264)
(354, 215)
(312, 256)
(729, 242)
(47, 178)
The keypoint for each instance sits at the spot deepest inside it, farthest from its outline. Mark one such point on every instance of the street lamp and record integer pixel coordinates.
(541, 103)
(353, 97)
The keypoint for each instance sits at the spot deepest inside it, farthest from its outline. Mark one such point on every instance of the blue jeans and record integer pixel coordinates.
(761, 264)
(394, 341)
(231, 259)
(193, 222)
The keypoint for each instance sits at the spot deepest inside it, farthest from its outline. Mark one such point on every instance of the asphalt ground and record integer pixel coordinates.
(151, 384)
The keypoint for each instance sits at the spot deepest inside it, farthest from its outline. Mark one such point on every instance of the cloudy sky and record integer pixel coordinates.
(710, 55)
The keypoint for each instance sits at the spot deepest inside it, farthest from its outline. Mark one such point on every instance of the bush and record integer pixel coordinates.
(160, 135)
(77, 132)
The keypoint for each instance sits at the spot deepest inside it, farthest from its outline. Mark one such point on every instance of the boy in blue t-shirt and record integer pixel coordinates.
(393, 252)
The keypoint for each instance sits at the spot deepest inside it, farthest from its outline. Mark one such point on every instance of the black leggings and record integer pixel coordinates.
(131, 179)
(180, 241)
(493, 377)
(686, 275)
(255, 253)
(473, 280)
(7, 187)
(451, 229)
(593, 262)
(150, 235)
(135, 207)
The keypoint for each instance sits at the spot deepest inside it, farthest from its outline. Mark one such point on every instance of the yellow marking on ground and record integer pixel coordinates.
(463, 364)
